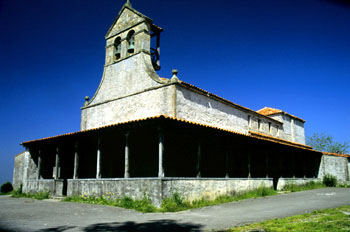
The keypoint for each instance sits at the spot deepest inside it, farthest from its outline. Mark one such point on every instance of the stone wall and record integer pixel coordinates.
(193, 189)
(55, 187)
(336, 166)
(158, 188)
(18, 170)
(197, 107)
(135, 188)
(282, 182)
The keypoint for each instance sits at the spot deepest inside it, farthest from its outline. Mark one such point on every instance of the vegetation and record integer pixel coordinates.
(302, 187)
(337, 219)
(329, 180)
(39, 196)
(6, 187)
(172, 204)
(324, 142)
(142, 205)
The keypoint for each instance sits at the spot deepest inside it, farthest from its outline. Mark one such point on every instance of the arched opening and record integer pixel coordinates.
(117, 48)
(131, 42)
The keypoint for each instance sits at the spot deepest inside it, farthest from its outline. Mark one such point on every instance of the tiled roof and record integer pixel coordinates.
(336, 154)
(266, 138)
(185, 84)
(270, 111)
(278, 140)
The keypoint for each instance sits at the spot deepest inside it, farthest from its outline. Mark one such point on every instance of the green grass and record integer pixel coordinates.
(328, 220)
(142, 205)
(171, 204)
(307, 186)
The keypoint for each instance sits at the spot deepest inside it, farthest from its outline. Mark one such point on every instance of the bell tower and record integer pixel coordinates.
(130, 34)
(130, 88)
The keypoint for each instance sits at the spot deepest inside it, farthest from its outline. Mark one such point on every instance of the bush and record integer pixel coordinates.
(6, 187)
(329, 180)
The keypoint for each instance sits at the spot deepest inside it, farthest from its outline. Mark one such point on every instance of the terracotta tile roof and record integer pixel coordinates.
(188, 85)
(282, 141)
(270, 111)
(265, 138)
(336, 154)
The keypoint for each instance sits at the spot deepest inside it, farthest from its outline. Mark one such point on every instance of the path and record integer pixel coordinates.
(33, 215)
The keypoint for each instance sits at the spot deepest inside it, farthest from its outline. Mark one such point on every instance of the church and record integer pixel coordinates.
(143, 135)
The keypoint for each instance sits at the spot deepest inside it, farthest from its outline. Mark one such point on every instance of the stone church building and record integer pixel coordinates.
(143, 134)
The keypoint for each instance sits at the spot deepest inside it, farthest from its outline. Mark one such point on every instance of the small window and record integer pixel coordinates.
(270, 127)
(131, 42)
(259, 124)
(249, 121)
(117, 48)
(278, 130)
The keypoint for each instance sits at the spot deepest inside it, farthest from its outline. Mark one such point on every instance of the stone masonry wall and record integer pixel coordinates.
(200, 108)
(18, 171)
(282, 182)
(336, 166)
(157, 189)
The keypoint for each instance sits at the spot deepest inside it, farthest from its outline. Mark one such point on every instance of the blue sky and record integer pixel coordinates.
(291, 55)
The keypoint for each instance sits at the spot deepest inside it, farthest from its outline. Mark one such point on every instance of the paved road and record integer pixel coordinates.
(32, 215)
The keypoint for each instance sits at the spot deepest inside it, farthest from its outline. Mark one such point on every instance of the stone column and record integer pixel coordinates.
(76, 161)
(199, 161)
(160, 154)
(98, 163)
(227, 165)
(39, 165)
(57, 165)
(267, 164)
(126, 167)
(249, 175)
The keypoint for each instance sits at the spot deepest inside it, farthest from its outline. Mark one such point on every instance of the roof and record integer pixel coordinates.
(278, 140)
(188, 85)
(271, 111)
(265, 138)
(127, 5)
(336, 154)
(20, 154)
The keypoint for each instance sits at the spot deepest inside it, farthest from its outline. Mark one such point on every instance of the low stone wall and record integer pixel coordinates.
(158, 188)
(282, 182)
(192, 189)
(135, 188)
(55, 187)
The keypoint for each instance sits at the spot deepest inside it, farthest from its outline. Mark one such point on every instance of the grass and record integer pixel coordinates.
(307, 186)
(38, 196)
(142, 205)
(171, 204)
(337, 219)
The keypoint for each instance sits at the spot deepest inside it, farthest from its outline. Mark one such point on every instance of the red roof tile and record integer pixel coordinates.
(271, 111)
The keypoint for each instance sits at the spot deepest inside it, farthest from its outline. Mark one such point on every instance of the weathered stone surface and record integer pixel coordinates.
(158, 188)
(336, 166)
(194, 189)
(18, 170)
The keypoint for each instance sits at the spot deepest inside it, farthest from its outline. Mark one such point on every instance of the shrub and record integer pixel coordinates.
(329, 180)
(6, 187)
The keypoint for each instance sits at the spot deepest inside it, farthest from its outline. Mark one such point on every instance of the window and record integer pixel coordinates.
(259, 124)
(117, 48)
(131, 42)
(270, 127)
(249, 121)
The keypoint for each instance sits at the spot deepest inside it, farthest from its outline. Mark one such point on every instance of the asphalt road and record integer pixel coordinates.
(48, 215)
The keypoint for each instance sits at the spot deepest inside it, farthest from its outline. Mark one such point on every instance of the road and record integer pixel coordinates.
(25, 215)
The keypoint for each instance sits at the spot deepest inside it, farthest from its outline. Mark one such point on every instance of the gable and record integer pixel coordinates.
(126, 18)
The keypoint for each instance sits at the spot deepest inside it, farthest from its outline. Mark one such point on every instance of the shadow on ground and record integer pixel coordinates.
(156, 225)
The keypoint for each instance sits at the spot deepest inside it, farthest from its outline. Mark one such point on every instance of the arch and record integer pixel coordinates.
(131, 41)
(117, 48)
